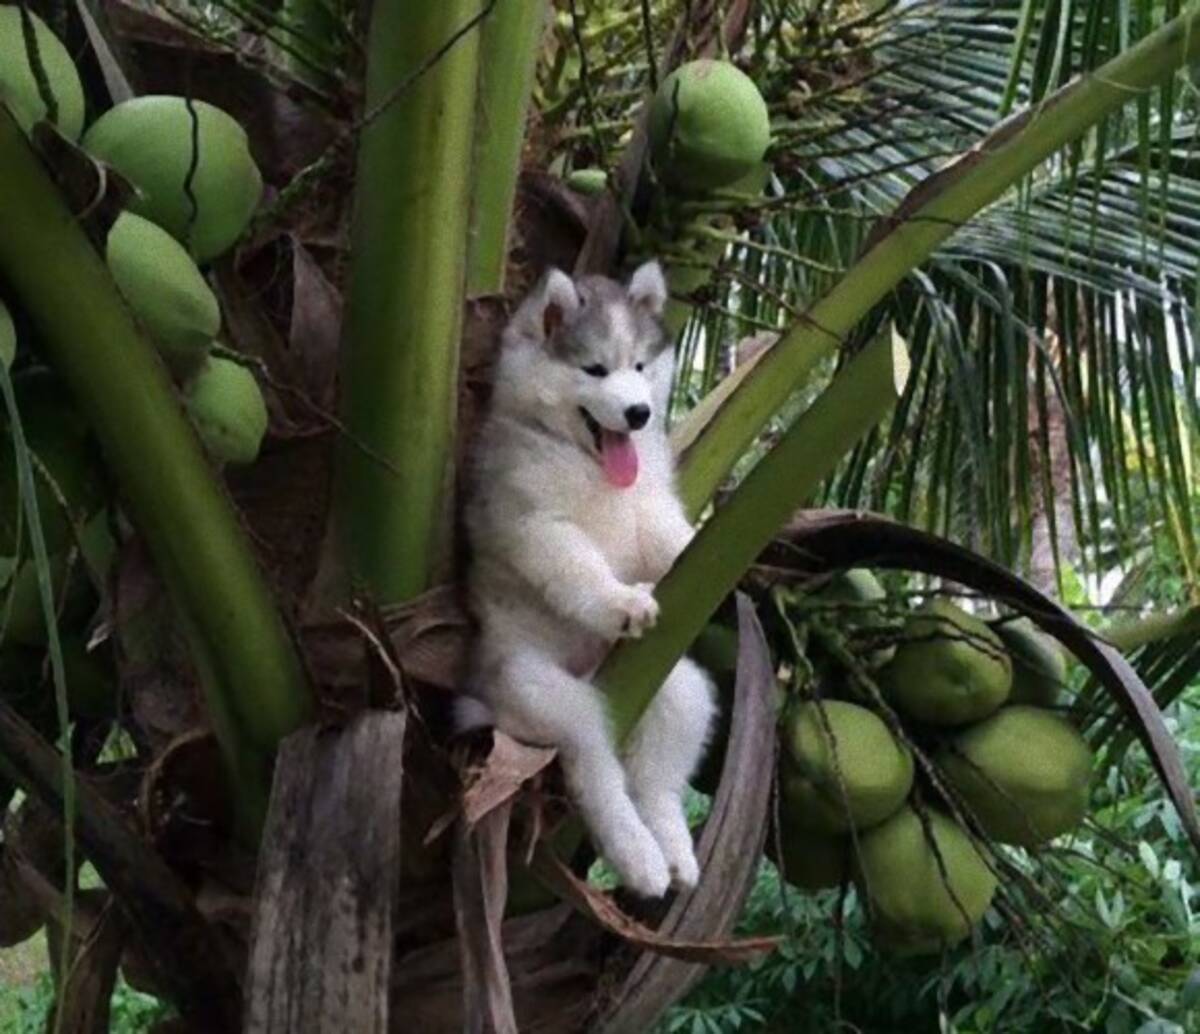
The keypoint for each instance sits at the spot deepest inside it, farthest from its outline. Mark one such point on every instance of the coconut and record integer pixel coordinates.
(1023, 774)
(853, 773)
(859, 588)
(1039, 667)
(18, 85)
(8, 337)
(228, 411)
(588, 181)
(716, 650)
(75, 599)
(166, 291)
(66, 459)
(149, 141)
(917, 908)
(810, 861)
(708, 126)
(949, 668)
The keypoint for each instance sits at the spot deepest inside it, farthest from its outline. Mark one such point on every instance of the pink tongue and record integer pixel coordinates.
(619, 458)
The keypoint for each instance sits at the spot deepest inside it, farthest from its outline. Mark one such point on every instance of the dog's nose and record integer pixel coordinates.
(636, 417)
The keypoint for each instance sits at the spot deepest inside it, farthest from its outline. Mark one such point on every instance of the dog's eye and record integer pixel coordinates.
(596, 370)
(639, 367)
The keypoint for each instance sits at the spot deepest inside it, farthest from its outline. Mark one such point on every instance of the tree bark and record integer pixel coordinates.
(321, 955)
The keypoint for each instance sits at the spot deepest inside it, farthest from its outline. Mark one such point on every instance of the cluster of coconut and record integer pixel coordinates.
(909, 793)
(181, 219)
(154, 252)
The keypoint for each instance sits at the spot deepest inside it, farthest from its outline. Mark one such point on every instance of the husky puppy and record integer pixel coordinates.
(572, 518)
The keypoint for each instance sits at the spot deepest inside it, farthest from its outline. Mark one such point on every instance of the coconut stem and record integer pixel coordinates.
(511, 38)
(709, 569)
(404, 308)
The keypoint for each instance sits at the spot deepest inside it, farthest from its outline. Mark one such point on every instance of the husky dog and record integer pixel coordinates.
(573, 517)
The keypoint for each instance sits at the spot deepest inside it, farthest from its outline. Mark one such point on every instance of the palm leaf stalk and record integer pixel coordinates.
(810, 450)
(931, 214)
(404, 305)
(509, 48)
(257, 692)
(1131, 635)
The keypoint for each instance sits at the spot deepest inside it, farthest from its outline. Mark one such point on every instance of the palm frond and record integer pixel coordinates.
(1051, 337)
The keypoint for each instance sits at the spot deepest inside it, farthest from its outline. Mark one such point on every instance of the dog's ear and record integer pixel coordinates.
(648, 287)
(561, 299)
(547, 306)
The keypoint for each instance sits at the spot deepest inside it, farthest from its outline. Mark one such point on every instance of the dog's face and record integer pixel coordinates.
(598, 362)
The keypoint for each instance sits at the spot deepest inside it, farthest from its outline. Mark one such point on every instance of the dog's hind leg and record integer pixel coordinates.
(546, 704)
(662, 755)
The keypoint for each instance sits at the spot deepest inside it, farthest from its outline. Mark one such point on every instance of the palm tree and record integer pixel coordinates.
(976, 322)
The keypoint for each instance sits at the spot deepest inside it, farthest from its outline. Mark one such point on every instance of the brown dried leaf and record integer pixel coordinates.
(156, 676)
(315, 328)
(87, 993)
(284, 499)
(508, 766)
(480, 879)
(551, 223)
(604, 911)
(431, 636)
(183, 804)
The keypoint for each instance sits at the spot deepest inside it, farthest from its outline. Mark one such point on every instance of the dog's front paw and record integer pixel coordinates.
(639, 610)
(685, 870)
(641, 866)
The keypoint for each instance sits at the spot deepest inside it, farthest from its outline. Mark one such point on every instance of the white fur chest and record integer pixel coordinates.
(621, 522)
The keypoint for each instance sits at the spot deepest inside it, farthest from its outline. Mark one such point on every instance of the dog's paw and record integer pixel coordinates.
(638, 609)
(641, 866)
(684, 869)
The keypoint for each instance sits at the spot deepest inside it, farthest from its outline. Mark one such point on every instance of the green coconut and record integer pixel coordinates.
(949, 669)
(1023, 773)
(716, 651)
(708, 126)
(810, 861)
(165, 290)
(228, 411)
(588, 181)
(8, 337)
(1039, 667)
(852, 774)
(65, 458)
(18, 85)
(864, 595)
(917, 908)
(75, 598)
(149, 141)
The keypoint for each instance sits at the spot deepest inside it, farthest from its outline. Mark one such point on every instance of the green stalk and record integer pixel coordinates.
(400, 346)
(710, 568)
(312, 37)
(259, 692)
(510, 43)
(1128, 636)
(930, 214)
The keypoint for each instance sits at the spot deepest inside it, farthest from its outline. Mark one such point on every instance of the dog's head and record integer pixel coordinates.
(589, 359)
